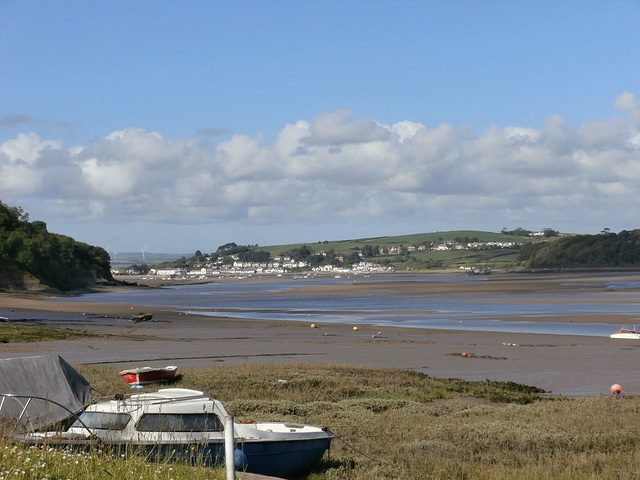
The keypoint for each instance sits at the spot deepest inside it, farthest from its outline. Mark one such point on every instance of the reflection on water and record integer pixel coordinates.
(251, 299)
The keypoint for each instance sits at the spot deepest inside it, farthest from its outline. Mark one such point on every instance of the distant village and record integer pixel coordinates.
(233, 266)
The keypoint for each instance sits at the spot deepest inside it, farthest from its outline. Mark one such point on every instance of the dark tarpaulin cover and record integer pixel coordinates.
(47, 376)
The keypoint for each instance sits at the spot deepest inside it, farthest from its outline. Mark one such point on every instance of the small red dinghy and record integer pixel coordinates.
(144, 375)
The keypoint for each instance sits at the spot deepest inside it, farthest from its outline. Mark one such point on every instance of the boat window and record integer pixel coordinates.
(179, 422)
(103, 420)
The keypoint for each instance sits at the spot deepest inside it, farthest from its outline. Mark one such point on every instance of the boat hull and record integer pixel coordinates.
(278, 458)
(626, 334)
(143, 376)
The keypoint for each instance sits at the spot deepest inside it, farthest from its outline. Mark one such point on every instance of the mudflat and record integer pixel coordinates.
(566, 365)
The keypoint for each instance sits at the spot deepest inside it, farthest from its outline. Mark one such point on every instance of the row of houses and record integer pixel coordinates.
(362, 267)
(238, 268)
(447, 246)
(255, 268)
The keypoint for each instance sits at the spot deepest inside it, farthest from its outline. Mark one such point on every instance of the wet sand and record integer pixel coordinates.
(567, 365)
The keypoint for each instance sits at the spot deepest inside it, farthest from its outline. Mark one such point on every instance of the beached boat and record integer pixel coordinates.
(182, 423)
(145, 375)
(626, 333)
(142, 317)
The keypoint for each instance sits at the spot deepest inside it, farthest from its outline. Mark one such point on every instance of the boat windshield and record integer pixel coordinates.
(103, 420)
(179, 422)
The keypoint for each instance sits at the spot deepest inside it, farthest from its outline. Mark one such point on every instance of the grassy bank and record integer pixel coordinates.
(393, 424)
(11, 333)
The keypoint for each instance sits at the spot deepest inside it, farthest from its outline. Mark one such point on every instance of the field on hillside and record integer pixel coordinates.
(494, 257)
(346, 246)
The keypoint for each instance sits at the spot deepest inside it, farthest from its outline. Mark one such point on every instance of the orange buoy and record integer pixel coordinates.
(355, 329)
(616, 389)
(465, 354)
(313, 325)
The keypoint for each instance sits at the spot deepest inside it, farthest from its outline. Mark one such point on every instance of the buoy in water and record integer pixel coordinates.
(313, 325)
(465, 354)
(355, 329)
(616, 389)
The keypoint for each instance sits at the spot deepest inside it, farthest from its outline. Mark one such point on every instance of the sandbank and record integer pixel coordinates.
(566, 365)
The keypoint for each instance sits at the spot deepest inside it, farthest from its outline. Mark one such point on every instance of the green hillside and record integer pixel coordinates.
(585, 251)
(346, 246)
(414, 252)
(30, 255)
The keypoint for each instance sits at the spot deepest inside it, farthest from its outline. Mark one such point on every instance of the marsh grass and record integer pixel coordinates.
(10, 333)
(393, 424)
(38, 463)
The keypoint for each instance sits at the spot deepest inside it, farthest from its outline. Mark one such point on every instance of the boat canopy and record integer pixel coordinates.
(49, 377)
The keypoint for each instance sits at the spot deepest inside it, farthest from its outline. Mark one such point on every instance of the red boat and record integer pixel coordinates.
(144, 375)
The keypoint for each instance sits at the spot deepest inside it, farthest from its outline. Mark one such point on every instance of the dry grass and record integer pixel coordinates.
(302, 384)
(42, 463)
(394, 424)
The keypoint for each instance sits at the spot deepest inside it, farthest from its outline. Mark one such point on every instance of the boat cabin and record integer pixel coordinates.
(147, 417)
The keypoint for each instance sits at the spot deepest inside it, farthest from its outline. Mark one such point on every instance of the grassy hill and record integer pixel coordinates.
(498, 257)
(403, 252)
(345, 246)
(585, 251)
(33, 258)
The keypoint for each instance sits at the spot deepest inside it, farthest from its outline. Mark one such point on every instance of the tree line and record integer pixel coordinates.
(583, 251)
(56, 260)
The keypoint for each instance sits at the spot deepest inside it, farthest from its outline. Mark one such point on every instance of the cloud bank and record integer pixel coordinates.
(336, 168)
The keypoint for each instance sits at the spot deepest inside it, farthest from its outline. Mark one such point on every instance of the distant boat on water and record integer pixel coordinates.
(627, 333)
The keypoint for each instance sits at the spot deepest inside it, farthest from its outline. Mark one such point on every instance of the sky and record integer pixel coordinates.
(181, 126)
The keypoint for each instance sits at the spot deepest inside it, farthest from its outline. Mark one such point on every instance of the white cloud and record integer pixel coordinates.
(630, 105)
(335, 168)
(243, 157)
(626, 101)
(26, 147)
(18, 180)
(406, 129)
(109, 179)
(338, 128)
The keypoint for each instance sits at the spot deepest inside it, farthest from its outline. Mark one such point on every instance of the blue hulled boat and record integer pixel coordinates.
(182, 423)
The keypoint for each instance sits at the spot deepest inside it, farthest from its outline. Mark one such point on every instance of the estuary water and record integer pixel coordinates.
(255, 299)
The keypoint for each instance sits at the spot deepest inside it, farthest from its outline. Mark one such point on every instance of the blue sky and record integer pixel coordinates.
(186, 125)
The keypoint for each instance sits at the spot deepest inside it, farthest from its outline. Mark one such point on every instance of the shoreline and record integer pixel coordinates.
(566, 365)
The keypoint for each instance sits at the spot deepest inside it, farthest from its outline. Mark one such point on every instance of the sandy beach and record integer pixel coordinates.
(566, 365)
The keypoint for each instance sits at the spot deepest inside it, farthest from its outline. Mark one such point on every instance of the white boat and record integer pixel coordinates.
(182, 423)
(626, 333)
